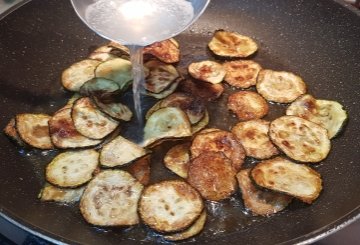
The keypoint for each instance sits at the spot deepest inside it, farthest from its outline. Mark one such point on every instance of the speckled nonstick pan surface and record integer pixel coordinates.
(319, 40)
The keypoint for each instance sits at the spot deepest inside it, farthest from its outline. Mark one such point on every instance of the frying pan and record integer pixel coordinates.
(319, 40)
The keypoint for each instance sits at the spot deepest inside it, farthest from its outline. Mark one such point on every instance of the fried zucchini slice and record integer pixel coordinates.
(219, 141)
(33, 129)
(115, 110)
(111, 199)
(247, 105)
(241, 73)
(207, 71)
(260, 202)
(300, 139)
(167, 91)
(63, 133)
(117, 70)
(193, 107)
(170, 206)
(280, 86)
(77, 74)
(114, 49)
(193, 230)
(253, 136)
(63, 195)
(201, 124)
(102, 56)
(160, 77)
(170, 122)
(140, 169)
(72, 168)
(213, 175)
(11, 132)
(326, 113)
(100, 87)
(166, 51)
(282, 175)
(120, 151)
(232, 44)
(91, 122)
(203, 90)
(177, 159)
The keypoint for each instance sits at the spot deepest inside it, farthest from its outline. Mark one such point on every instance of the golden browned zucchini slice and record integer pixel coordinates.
(280, 86)
(232, 44)
(120, 151)
(91, 122)
(160, 77)
(300, 139)
(247, 105)
(193, 230)
(177, 159)
(201, 124)
(11, 132)
(241, 73)
(204, 90)
(219, 141)
(166, 51)
(170, 122)
(77, 74)
(72, 168)
(167, 91)
(208, 71)
(326, 113)
(111, 199)
(213, 175)
(193, 107)
(140, 169)
(117, 70)
(170, 206)
(282, 175)
(64, 195)
(33, 129)
(253, 135)
(260, 202)
(63, 133)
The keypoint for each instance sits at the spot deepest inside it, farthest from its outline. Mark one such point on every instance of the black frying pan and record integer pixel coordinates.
(319, 40)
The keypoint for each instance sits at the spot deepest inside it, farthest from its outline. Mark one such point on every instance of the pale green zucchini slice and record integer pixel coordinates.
(219, 141)
(213, 175)
(99, 87)
(113, 49)
(63, 195)
(166, 51)
(177, 159)
(300, 139)
(170, 206)
(241, 73)
(167, 91)
(72, 168)
(280, 86)
(207, 71)
(201, 124)
(11, 132)
(247, 105)
(63, 133)
(111, 199)
(33, 129)
(166, 123)
(328, 114)
(160, 76)
(79, 73)
(91, 122)
(120, 151)
(191, 231)
(253, 136)
(232, 44)
(117, 70)
(282, 175)
(258, 201)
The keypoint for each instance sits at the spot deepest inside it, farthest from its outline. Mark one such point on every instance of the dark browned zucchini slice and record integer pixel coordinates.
(160, 77)
(300, 139)
(11, 132)
(111, 199)
(282, 175)
(170, 206)
(33, 129)
(208, 71)
(166, 51)
(177, 159)
(241, 73)
(204, 90)
(140, 169)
